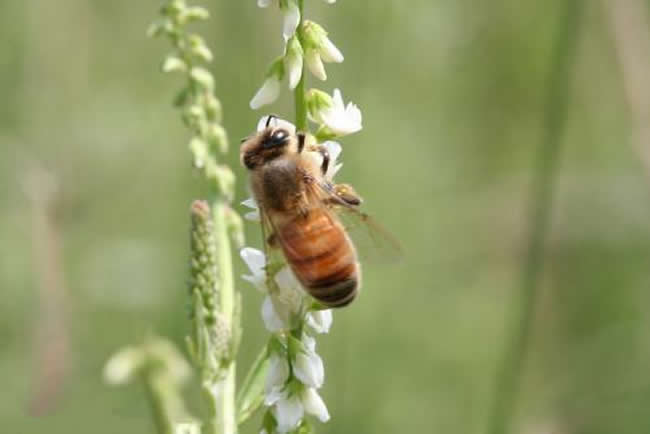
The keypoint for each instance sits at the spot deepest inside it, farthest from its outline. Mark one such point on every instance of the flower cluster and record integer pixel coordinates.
(295, 370)
(307, 44)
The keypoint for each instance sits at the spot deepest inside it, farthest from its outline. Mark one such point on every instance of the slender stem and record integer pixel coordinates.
(226, 405)
(541, 199)
(299, 93)
(161, 414)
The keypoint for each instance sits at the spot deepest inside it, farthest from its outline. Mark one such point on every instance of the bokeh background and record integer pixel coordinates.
(458, 98)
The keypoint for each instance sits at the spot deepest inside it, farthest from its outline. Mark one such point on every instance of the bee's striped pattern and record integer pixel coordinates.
(321, 256)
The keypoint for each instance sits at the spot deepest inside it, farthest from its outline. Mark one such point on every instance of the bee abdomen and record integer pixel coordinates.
(323, 259)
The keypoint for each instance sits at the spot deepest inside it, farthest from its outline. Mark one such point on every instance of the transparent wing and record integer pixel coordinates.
(372, 240)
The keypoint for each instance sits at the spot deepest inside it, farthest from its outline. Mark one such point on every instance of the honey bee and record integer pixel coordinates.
(300, 206)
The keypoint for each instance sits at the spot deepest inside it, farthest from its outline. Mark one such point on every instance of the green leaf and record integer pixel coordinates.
(251, 395)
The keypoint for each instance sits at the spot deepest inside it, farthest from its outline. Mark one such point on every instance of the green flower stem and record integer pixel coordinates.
(299, 93)
(226, 405)
(512, 367)
(161, 416)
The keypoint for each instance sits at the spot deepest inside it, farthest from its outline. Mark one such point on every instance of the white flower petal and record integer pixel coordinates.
(309, 342)
(291, 20)
(264, 3)
(278, 372)
(341, 119)
(254, 216)
(337, 100)
(266, 94)
(315, 64)
(320, 321)
(275, 122)
(291, 294)
(256, 261)
(294, 66)
(273, 320)
(288, 413)
(329, 52)
(308, 368)
(274, 395)
(250, 202)
(122, 366)
(314, 404)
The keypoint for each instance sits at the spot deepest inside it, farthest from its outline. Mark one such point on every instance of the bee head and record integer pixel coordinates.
(267, 145)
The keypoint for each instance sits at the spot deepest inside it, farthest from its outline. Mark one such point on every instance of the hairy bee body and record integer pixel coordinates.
(285, 181)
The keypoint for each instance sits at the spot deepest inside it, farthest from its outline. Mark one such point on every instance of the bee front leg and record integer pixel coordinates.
(272, 241)
(347, 194)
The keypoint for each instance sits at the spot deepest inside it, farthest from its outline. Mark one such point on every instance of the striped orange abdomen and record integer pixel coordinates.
(321, 256)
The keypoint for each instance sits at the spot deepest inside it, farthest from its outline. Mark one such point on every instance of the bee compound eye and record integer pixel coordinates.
(278, 137)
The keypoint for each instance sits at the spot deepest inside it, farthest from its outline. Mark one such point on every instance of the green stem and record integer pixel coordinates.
(510, 375)
(299, 93)
(161, 415)
(226, 405)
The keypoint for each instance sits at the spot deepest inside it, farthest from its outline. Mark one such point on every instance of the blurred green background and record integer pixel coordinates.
(95, 187)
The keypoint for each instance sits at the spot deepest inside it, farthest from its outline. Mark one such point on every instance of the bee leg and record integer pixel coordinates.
(272, 241)
(347, 194)
(301, 141)
(326, 158)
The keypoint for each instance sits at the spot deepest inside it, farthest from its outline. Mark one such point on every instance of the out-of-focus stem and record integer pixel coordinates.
(226, 399)
(299, 93)
(511, 369)
(159, 410)
(629, 22)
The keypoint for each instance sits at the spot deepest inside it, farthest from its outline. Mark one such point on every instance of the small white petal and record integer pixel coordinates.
(274, 395)
(288, 413)
(337, 100)
(256, 261)
(254, 216)
(291, 294)
(291, 20)
(275, 123)
(320, 321)
(263, 3)
(250, 202)
(266, 94)
(273, 320)
(315, 64)
(329, 52)
(310, 343)
(308, 368)
(294, 66)
(341, 119)
(278, 372)
(314, 404)
(122, 366)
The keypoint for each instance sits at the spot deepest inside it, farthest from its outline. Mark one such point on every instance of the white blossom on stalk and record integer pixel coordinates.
(291, 18)
(266, 94)
(293, 61)
(256, 262)
(288, 411)
(318, 49)
(331, 112)
(314, 404)
(308, 367)
(320, 321)
(254, 215)
(275, 122)
(277, 376)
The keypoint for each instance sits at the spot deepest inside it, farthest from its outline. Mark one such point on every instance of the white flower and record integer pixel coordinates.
(275, 122)
(293, 62)
(256, 262)
(338, 118)
(308, 368)
(334, 150)
(315, 64)
(254, 215)
(263, 3)
(288, 412)
(320, 321)
(313, 404)
(266, 94)
(123, 365)
(318, 49)
(291, 293)
(291, 19)
(276, 378)
(275, 315)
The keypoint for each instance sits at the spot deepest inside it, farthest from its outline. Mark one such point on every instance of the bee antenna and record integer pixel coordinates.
(269, 119)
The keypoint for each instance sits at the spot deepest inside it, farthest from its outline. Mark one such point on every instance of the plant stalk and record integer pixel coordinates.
(299, 93)
(541, 199)
(226, 398)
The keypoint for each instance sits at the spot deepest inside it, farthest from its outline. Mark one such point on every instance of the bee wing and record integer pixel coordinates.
(372, 240)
